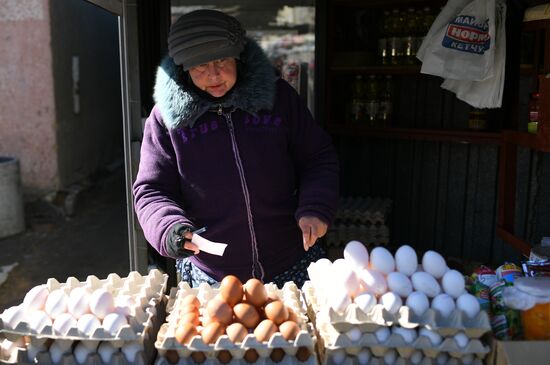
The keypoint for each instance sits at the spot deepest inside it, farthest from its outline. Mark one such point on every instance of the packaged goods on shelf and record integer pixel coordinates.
(109, 321)
(360, 218)
(280, 346)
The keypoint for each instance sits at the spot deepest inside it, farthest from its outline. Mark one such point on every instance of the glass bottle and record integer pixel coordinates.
(394, 46)
(534, 106)
(385, 104)
(409, 36)
(383, 38)
(357, 107)
(372, 101)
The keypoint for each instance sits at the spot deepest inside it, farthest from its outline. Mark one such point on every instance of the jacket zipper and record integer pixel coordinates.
(256, 265)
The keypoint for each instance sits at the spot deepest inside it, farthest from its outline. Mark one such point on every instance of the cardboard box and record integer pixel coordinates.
(519, 352)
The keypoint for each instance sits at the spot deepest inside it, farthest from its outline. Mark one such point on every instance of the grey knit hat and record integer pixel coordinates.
(205, 35)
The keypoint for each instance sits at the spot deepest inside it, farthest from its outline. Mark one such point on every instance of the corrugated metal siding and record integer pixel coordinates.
(444, 194)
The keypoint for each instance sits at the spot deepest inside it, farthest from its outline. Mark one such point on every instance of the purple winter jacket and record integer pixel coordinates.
(247, 168)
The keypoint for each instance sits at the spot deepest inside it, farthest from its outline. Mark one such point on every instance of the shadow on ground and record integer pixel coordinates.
(93, 241)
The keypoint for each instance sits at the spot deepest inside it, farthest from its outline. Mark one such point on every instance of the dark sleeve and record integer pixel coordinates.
(315, 159)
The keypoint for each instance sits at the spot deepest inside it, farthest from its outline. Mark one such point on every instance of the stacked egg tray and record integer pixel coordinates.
(360, 219)
(172, 352)
(343, 337)
(133, 343)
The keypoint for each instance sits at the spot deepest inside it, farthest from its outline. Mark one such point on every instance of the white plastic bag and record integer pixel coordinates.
(487, 93)
(461, 43)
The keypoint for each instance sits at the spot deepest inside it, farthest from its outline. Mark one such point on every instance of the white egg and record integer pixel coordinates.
(382, 260)
(468, 304)
(416, 357)
(365, 302)
(63, 323)
(79, 302)
(443, 304)
(364, 356)
(434, 337)
(35, 299)
(391, 302)
(424, 282)
(347, 278)
(102, 303)
(461, 339)
(12, 316)
(354, 334)
(33, 350)
(57, 350)
(382, 334)
(357, 255)
(406, 261)
(373, 282)
(87, 324)
(81, 353)
(340, 300)
(38, 320)
(442, 358)
(338, 356)
(56, 303)
(113, 322)
(130, 350)
(408, 334)
(91, 344)
(390, 357)
(468, 359)
(453, 283)
(418, 302)
(106, 351)
(399, 283)
(125, 305)
(434, 264)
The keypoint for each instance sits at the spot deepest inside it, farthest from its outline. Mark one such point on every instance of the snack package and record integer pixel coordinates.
(508, 272)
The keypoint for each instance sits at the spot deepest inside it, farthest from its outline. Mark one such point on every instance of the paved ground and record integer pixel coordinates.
(91, 242)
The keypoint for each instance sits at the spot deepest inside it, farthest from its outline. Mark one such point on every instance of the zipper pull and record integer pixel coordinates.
(220, 110)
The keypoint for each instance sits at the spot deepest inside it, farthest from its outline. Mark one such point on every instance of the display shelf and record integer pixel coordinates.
(450, 135)
(528, 140)
(376, 69)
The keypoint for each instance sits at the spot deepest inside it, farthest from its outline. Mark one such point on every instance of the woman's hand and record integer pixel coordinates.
(188, 244)
(312, 229)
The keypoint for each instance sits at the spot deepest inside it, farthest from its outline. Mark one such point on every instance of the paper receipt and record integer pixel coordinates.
(215, 248)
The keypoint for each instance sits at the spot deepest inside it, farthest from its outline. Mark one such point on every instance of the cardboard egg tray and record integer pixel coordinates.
(147, 292)
(353, 316)
(290, 295)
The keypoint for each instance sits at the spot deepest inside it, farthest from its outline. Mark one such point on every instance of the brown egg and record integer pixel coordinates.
(231, 290)
(277, 312)
(251, 356)
(292, 316)
(289, 330)
(246, 314)
(254, 292)
(303, 353)
(189, 318)
(185, 332)
(198, 357)
(172, 356)
(188, 308)
(225, 356)
(212, 332)
(236, 332)
(190, 299)
(219, 311)
(277, 355)
(265, 330)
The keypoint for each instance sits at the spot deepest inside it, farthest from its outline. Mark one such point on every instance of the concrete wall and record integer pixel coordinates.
(27, 111)
(91, 137)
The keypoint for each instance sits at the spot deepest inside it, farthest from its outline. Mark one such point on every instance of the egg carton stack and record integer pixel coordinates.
(212, 339)
(357, 306)
(360, 218)
(110, 321)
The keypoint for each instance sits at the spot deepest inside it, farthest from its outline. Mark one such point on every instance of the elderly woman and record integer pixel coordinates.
(232, 147)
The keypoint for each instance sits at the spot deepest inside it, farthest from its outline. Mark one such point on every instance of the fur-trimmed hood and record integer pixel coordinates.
(181, 105)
